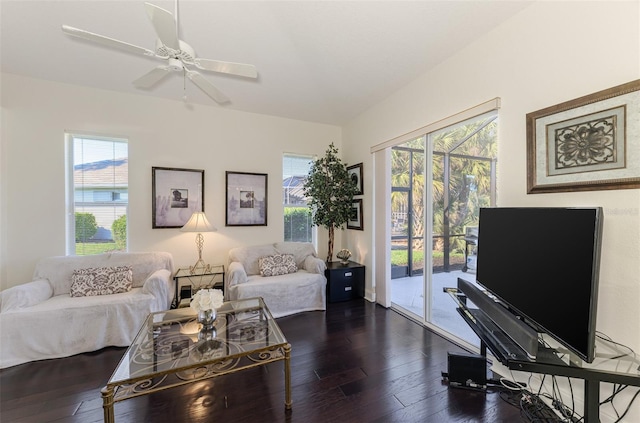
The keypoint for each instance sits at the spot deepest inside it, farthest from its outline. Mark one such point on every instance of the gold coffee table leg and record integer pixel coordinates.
(107, 404)
(287, 377)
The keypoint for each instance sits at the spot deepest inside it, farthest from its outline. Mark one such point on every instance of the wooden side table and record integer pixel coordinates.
(188, 284)
(344, 281)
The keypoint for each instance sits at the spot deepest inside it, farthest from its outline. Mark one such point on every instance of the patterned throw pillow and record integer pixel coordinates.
(101, 281)
(278, 264)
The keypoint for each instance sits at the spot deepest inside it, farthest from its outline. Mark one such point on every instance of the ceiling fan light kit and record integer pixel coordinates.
(177, 53)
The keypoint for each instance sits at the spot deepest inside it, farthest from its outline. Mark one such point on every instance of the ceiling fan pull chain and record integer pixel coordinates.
(184, 84)
(176, 15)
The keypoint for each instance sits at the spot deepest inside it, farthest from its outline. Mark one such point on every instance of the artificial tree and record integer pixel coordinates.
(330, 190)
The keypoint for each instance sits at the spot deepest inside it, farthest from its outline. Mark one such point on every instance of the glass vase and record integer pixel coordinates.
(207, 318)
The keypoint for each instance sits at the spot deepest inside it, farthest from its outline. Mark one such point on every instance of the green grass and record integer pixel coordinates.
(399, 257)
(90, 248)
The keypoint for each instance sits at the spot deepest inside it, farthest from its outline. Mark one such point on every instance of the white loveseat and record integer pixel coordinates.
(40, 320)
(301, 290)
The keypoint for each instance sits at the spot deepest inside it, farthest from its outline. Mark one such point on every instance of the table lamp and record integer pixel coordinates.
(199, 223)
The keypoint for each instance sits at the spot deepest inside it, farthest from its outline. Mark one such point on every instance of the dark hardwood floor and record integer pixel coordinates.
(356, 362)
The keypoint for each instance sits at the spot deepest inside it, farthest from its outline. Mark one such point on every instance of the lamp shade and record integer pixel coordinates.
(198, 223)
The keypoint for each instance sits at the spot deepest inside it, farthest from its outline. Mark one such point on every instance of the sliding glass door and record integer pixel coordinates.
(439, 181)
(463, 160)
(408, 226)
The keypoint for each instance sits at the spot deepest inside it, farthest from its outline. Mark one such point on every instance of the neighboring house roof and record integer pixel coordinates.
(294, 187)
(103, 174)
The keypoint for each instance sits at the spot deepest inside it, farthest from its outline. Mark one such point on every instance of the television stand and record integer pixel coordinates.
(498, 340)
(549, 361)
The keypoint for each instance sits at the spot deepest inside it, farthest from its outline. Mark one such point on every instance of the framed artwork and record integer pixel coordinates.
(176, 194)
(355, 220)
(246, 199)
(355, 171)
(587, 144)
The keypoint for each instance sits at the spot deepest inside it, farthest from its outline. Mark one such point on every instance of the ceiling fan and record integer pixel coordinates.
(179, 56)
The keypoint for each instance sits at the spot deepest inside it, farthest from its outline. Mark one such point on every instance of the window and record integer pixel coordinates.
(97, 194)
(298, 225)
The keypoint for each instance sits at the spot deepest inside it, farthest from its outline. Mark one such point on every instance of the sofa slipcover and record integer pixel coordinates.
(40, 320)
(303, 290)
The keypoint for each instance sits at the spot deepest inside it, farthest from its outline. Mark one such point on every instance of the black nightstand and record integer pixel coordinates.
(344, 281)
(184, 279)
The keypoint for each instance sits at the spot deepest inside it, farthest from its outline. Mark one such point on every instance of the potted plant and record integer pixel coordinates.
(330, 190)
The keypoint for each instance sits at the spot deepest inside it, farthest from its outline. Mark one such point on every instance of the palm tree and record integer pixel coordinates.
(468, 175)
(468, 149)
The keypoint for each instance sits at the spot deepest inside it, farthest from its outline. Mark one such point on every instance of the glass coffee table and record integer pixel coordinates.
(171, 349)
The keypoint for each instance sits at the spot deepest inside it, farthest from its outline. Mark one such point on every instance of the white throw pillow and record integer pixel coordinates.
(101, 281)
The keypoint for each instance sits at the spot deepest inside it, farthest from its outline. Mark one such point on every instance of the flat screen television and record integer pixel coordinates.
(543, 264)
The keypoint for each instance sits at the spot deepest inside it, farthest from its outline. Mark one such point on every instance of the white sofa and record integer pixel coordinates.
(302, 290)
(40, 320)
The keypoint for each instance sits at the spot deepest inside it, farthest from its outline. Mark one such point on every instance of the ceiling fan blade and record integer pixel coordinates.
(109, 42)
(153, 77)
(207, 87)
(240, 69)
(164, 24)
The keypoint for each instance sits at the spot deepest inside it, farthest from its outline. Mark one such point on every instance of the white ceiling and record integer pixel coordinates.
(319, 61)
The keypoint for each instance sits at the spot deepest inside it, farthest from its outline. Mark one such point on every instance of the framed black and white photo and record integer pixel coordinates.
(176, 195)
(246, 199)
(355, 219)
(586, 144)
(355, 171)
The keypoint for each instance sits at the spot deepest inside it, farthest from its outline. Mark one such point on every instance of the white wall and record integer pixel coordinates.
(35, 116)
(549, 53)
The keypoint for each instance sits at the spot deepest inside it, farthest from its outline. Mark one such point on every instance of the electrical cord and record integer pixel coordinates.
(546, 413)
(531, 406)
(628, 406)
(534, 409)
(617, 388)
(558, 403)
(610, 400)
(512, 385)
(569, 412)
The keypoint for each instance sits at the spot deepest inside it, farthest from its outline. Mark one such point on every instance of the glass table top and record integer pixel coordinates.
(183, 272)
(172, 342)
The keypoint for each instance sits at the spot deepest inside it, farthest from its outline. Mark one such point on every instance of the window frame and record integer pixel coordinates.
(70, 187)
(311, 158)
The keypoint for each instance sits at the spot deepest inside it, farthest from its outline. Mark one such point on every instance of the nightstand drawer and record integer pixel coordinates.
(344, 282)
